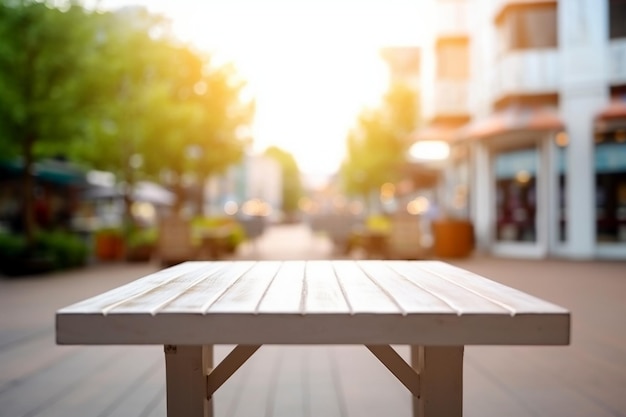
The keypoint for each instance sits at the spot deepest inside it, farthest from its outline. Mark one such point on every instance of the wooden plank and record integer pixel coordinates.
(246, 293)
(319, 328)
(322, 293)
(143, 391)
(512, 299)
(441, 380)
(323, 393)
(284, 295)
(41, 354)
(458, 298)
(155, 297)
(427, 309)
(135, 288)
(186, 368)
(484, 395)
(398, 367)
(410, 298)
(200, 297)
(289, 398)
(533, 380)
(228, 366)
(157, 407)
(366, 386)
(255, 388)
(88, 395)
(57, 382)
(363, 295)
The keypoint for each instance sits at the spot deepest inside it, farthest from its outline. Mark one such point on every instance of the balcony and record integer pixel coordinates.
(533, 71)
(451, 18)
(617, 61)
(450, 98)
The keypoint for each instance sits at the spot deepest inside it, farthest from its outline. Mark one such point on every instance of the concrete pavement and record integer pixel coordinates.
(587, 378)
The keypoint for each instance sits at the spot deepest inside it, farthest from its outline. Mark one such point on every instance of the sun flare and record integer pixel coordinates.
(311, 66)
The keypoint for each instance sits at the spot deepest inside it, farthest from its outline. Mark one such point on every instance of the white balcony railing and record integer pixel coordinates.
(452, 18)
(450, 99)
(531, 71)
(617, 61)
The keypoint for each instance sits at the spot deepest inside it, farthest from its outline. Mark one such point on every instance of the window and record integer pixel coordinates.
(453, 59)
(610, 160)
(528, 26)
(516, 195)
(617, 19)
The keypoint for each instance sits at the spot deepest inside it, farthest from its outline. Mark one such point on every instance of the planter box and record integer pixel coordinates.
(109, 247)
(453, 238)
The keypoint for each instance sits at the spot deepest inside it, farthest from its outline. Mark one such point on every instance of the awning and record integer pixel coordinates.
(612, 117)
(436, 132)
(515, 119)
(53, 171)
(143, 191)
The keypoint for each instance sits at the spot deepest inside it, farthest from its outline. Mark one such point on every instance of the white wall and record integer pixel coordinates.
(583, 41)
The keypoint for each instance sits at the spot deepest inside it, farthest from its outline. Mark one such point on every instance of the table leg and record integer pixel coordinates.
(441, 380)
(186, 368)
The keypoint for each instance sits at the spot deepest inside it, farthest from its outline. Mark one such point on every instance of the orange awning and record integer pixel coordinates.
(518, 119)
(615, 110)
(436, 132)
(611, 117)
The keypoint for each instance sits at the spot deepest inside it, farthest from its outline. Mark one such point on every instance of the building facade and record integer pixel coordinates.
(253, 186)
(531, 97)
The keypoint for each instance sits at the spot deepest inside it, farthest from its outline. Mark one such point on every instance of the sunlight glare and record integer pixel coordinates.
(310, 66)
(309, 86)
(429, 150)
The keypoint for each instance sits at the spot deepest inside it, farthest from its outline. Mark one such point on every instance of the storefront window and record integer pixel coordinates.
(516, 195)
(561, 184)
(610, 160)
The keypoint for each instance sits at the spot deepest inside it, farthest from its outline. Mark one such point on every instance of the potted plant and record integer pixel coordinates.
(141, 244)
(109, 244)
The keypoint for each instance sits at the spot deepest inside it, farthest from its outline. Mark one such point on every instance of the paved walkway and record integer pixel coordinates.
(588, 378)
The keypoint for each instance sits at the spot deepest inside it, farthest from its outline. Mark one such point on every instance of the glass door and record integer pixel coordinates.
(516, 195)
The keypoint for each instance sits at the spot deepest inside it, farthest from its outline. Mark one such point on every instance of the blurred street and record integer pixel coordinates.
(587, 378)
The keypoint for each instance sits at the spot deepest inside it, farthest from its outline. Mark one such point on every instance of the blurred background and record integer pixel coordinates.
(399, 129)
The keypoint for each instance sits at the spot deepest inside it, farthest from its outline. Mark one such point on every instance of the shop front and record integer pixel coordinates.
(518, 182)
(610, 180)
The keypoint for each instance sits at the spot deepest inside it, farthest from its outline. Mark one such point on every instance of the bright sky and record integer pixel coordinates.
(312, 65)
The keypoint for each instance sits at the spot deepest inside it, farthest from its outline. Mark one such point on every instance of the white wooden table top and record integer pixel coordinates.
(314, 302)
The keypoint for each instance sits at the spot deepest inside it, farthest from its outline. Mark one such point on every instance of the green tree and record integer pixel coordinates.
(221, 133)
(377, 145)
(129, 78)
(201, 121)
(164, 109)
(43, 54)
(292, 184)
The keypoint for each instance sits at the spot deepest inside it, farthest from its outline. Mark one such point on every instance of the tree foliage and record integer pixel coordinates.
(43, 52)
(377, 145)
(292, 184)
(116, 91)
(165, 105)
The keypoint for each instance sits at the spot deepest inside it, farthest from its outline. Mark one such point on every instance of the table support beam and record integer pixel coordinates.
(441, 380)
(227, 367)
(408, 376)
(186, 368)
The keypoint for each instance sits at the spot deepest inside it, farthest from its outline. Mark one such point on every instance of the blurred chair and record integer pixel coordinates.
(405, 238)
(175, 243)
(340, 228)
